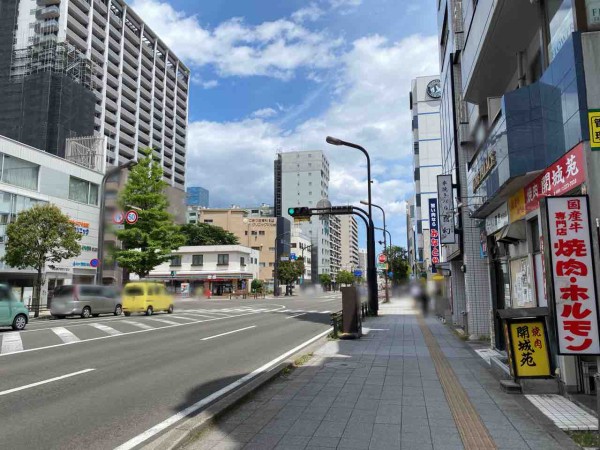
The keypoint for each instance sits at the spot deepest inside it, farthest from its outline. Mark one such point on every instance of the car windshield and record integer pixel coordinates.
(134, 290)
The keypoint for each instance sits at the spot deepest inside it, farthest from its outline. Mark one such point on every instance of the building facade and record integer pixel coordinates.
(73, 68)
(349, 243)
(427, 161)
(300, 248)
(362, 260)
(197, 196)
(518, 84)
(411, 229)
(335, 245)
(28, 177)
(302, 179)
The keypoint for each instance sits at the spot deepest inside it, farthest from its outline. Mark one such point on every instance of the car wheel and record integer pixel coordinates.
(58, 316)
(170, 310)
(86, 312)
(149, 311)
(118, 310)
(127, 314)
(19, 322)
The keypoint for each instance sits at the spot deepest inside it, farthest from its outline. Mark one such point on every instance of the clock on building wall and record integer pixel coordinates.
(434, 89)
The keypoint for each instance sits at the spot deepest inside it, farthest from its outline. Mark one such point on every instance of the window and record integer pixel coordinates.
(416, 147)
(262, 265)
(242, 261)
(256, 248)
(197, 260)
(261, 233)
(83, 191)
(208, 221)
(271, 249)
(417, 174)
(293, 245)
(271, 264)
(176, 261)
(95, 291)
(246, 232)
(223, 260)
(254, 233)
(19, 172)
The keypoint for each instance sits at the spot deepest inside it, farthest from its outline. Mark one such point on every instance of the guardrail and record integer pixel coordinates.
(337, 318)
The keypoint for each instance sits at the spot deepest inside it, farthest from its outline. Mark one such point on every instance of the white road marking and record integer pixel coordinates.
(11, 342)
(50, 380)
(65, 335)
(180, 317)
(297, 315)
(138, 324)
(326, 312)
(196, 314)
(168, 322)
(224, 334)
(137, 440)
(106, 329)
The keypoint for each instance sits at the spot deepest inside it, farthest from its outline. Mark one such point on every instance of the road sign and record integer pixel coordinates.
(94, 262)
(120, 226)
(131, 217)
(382, 266)
(381, 258)
(358, 273)
(284, 258)
(118, 217)
(293, 256)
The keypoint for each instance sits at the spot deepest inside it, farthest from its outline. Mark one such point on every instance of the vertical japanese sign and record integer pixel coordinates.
(529, 348)
(572, 272)
(594, 118)
(434, 237)
(446, 216)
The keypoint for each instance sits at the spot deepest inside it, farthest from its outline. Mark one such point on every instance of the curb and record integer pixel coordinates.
(178, 436)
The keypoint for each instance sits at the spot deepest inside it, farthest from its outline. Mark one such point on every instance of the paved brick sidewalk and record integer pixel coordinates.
(382, 392)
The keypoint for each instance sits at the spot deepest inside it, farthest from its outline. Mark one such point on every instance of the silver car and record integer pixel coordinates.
(85, 301)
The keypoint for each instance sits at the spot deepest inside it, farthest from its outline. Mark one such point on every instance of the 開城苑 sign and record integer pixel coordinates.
(530, 357)
(572, 275)
(446, 209)
(594, 118)
(434, 237)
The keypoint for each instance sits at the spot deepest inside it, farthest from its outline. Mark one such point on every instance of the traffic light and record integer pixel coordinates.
(301, 211)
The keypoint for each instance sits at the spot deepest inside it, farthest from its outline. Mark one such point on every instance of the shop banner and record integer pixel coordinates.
(434, 238)
(516, 206)
(572, 274)
(528, 348)
(497, 219)
(594, 118)
(446, 199)
(564, 175)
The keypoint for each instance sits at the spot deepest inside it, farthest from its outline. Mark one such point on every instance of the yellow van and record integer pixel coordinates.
(146, 297)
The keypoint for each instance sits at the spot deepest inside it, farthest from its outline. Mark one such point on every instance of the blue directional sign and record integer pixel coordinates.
(358, 273)
(390, 274)
(293, 256)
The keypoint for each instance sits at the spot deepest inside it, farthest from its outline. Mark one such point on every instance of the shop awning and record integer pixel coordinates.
(513, 232)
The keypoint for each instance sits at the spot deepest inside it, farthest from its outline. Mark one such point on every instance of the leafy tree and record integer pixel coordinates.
(345, 277)
(256, 286)
(325, 279)
(398, 263)
(40, 235)
(289, 271)
(207, 234)
(150, 241)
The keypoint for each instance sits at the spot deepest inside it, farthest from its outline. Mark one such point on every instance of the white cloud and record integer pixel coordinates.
(235, 48)
(310, 13)
(205, 84)
(344, 3)
(264, 113)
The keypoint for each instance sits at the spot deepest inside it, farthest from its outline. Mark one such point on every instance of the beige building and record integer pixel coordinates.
(349, 243)
(258, 233)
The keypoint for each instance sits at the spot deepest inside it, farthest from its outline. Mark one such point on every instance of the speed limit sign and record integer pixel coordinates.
(131, 217)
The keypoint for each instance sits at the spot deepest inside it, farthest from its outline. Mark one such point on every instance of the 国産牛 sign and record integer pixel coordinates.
(434, 237)
(572, 275)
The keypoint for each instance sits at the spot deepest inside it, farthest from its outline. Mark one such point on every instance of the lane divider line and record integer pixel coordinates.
(50, 380)
(11, 343)
(158, 428)
(65, 335)
(224, 334)
(106, 329)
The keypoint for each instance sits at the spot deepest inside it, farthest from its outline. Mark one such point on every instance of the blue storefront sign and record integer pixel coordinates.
(434, 238)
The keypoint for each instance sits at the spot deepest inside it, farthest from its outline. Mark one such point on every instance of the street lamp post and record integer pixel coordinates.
(109, 173)
(371, 274)
(385, 274)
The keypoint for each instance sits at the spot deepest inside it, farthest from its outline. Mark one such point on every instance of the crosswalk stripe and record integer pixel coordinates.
(138, 324)
(297, 315)
(106, 329)
(195, 315)
(170, 322)
(65, 335)
(209, 311)
(11, 342)
(180, 317)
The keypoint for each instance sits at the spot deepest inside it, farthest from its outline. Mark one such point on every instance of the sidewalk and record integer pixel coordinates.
(408, 383)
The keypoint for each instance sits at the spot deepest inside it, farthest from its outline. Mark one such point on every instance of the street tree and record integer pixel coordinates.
(207, 234)
(345, 277)
(398, 263)
(151, 240)
(256, 286)
(40, 235)
(288, 272)
(325, 280)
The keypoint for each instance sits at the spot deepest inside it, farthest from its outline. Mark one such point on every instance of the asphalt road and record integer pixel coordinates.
(98, 383)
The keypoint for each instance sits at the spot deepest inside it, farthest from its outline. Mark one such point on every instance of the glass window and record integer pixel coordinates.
(261, 233)
(242, 261)
(19, 172)
(197, 260)
(560, 24)
(262, 265)
(208, 221)
(78, 190)
(223, 259)
(93, 194)
(176, 261)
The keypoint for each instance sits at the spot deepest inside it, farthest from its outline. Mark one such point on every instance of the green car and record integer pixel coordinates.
(12, 312)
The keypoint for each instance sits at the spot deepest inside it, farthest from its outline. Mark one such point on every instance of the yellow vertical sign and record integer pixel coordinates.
(594, 121)
(516, 206)
(529, 347)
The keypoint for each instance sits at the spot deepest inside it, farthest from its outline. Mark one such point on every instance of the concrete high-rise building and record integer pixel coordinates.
(197, 196)
(302, 179)
(349, 243)
(335, 245)
(427, 160)
(73, 68)
(411, 230)
(362, 261)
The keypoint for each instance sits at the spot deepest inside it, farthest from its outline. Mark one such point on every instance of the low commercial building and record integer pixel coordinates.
(300, 247)
(218, 269)
(29, 176)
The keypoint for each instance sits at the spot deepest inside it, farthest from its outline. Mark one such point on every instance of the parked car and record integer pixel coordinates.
(13, 313)
(85, 301)
(146, 297)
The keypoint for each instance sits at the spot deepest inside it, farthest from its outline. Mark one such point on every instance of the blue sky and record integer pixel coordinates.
(281, 75)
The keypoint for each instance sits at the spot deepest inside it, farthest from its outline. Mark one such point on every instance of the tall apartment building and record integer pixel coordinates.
(519, 81)
(72, 68)
(349, 243)
(302, 179)
(335, 245)
(427, 160)
(197, 196)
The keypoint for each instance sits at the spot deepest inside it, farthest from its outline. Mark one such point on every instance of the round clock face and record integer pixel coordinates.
(434, 89)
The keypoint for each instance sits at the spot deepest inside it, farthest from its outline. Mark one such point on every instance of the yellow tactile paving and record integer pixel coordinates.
(473, 432)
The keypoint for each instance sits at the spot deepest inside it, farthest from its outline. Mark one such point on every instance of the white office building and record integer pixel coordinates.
(349, 243)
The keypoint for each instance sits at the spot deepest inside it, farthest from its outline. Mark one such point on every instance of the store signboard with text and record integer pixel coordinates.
(572, 275)
(434, 239)
(528, 348)
(446, 209)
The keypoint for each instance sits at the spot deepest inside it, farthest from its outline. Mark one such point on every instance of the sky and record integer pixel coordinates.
(281, 75)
